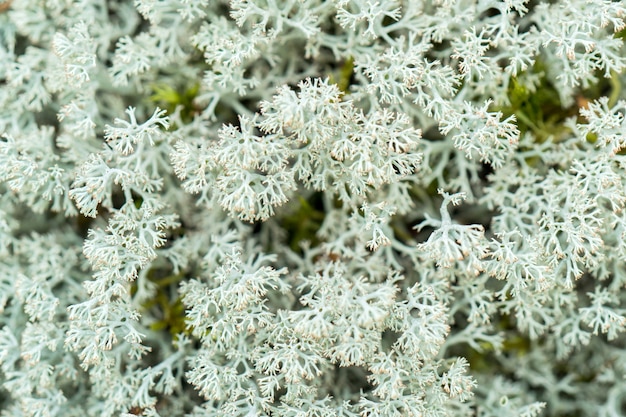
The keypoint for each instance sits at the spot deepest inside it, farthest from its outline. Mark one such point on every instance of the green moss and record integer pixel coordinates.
(539, 111)
(484, 361)
(169, 98)
(616, 88)
(166, 305)
(343, 77)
